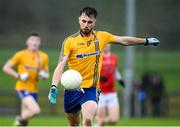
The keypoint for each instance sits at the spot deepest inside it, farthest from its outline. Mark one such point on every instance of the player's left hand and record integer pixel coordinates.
(53, 94)
(152, 41)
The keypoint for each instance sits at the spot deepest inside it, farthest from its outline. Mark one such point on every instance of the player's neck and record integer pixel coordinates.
(31, 50)
(84, 35)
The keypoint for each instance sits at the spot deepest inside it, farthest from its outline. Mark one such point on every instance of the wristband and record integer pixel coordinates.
(146, 42)
(53, 86)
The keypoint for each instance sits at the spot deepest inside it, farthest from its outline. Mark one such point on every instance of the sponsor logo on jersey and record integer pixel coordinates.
(88, 54)
(31, 67)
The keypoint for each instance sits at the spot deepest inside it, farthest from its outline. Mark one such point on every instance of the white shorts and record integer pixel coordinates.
(108, 100)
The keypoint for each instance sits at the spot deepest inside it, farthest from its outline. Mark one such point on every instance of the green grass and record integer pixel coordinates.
(61, 121)
(166, 63)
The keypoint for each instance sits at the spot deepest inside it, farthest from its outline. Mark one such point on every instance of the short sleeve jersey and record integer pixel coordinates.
(30, 62)
(85, 55)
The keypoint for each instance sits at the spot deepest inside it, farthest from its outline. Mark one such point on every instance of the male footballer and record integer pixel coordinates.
(32, 65)
(83, 52)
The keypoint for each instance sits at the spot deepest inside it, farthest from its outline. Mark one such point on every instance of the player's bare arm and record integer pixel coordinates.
(59, 70)
(56, 79)
(126, 40)
(8, 68)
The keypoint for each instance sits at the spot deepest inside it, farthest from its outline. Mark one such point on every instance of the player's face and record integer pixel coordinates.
(33, 43)
(86, 23)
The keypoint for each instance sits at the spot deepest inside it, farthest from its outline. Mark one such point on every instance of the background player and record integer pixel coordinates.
(83, 52)
(32, 65)
(108, 105)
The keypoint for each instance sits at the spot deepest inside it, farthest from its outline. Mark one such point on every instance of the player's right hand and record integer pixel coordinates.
(23, 76)
(53, 94)
(152, 41)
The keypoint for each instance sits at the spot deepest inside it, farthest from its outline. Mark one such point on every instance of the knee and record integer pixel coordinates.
(74, 123)
(36, 111)
(101, 122)
(88, 121)
(113, 121)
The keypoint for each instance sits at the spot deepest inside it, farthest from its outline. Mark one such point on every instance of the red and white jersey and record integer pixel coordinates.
(108, 73)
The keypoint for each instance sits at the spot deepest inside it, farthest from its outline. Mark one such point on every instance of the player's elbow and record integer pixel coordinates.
(125, 41)
(5, 68)
(125, 44)
(36, 111)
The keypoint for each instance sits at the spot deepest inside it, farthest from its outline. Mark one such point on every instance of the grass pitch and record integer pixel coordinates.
(61, 121)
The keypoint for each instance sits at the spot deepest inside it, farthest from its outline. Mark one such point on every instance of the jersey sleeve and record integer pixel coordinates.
(108, 38)
(16, 58)
(65, 49)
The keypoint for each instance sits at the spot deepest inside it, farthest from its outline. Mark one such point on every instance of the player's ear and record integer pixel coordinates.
(27, 42)
(95, 21)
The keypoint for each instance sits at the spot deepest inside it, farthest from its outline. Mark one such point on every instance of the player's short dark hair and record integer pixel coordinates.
(89, 11)
(34, 34)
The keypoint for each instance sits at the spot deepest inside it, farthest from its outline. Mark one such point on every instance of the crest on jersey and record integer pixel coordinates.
(89, 43)
(31, 67)
(80, 43)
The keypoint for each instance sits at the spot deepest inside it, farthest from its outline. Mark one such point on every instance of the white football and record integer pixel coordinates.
(71, 79)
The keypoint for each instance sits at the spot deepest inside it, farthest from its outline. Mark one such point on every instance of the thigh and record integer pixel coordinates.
(112, 100)
(102, 101)
(28, 100)
(101, 113)
(89, 109)
(102, 104)
(113, 106)
(89, 102)
(30, 103)
(73, 118)
(113, 112)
